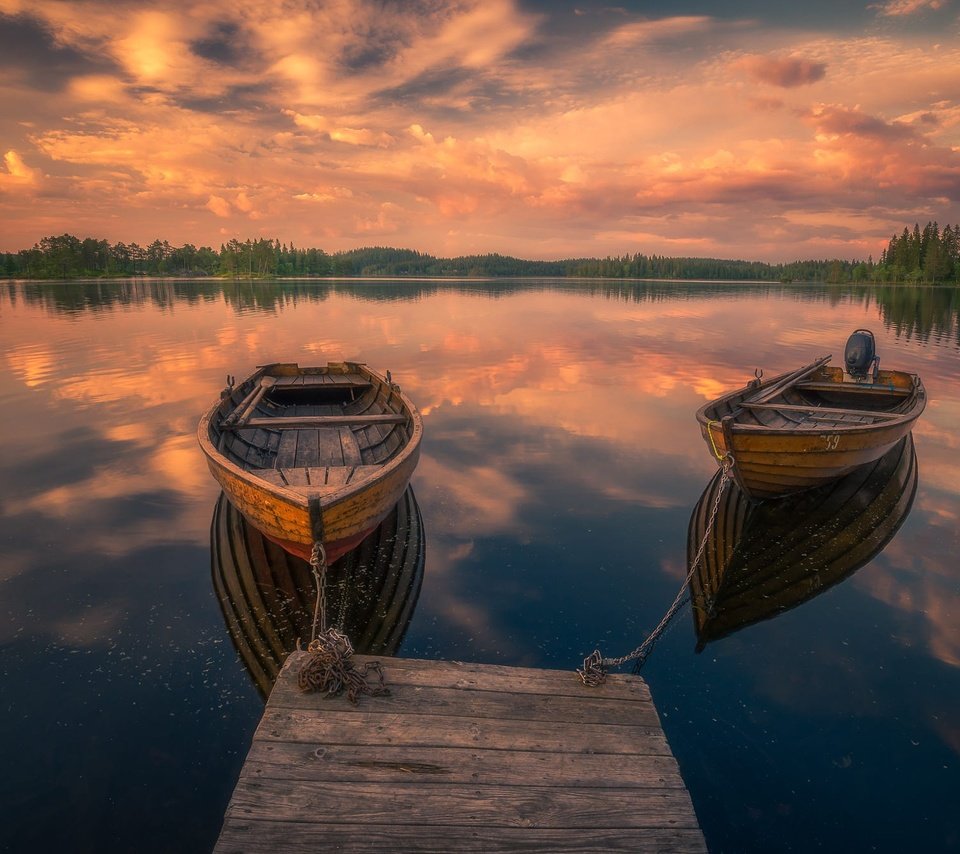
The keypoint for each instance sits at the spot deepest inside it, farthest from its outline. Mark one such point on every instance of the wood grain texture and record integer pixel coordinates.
(462, 757)
(248, 836)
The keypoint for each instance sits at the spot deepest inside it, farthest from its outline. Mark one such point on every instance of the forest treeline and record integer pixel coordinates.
(923, 255)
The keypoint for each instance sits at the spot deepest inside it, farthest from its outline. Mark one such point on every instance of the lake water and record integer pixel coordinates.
(560, 467)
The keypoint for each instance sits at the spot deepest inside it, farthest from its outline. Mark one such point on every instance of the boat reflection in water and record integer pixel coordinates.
(268, 595)
(764, 558)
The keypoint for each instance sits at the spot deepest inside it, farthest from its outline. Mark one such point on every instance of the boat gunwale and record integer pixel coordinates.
(917, 396)
(303, 497)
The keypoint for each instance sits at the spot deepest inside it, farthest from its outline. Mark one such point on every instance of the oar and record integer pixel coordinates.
(239, 415)
(764, 394)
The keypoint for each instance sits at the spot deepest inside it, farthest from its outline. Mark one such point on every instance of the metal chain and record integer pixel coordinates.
(594, 669)
(318, 563)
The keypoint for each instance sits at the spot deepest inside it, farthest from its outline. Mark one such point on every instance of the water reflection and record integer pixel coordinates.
(762, 559)
(561, 460)
(267, 595)
(918, 313)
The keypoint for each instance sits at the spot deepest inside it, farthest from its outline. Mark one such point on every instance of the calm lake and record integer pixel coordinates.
(561, 464)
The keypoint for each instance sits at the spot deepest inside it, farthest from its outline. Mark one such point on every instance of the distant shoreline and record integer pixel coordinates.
(452, 279)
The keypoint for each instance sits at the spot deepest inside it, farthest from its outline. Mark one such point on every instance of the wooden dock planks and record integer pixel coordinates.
(461, 757)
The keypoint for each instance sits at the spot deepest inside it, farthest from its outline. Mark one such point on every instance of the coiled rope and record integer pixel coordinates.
(328, 667)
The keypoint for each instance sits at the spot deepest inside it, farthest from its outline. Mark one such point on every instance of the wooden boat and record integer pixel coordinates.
(808, 427)
(763, 558)
(313, 454)
(267, 595)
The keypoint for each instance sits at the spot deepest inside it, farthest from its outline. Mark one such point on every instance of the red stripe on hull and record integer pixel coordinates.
(336, 549)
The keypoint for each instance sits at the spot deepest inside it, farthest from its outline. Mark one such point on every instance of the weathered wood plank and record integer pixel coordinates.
(860, 389)
(350, 448)
(295, 476)
(280, 837)
(308, 449)
(825, 410)
(496, 677)
(295, 421)
(385, 764)
(330, 453)
(371, 727)
(287, 450)
(439, 804)
(486, 703)
(308, 381)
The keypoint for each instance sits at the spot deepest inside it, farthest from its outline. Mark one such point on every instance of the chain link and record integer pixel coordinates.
(594, 669)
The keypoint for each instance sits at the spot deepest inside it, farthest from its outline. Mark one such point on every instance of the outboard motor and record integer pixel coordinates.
(860, 355)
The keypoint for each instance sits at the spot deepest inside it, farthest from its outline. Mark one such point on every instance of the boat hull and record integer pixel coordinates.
(311, 455)
(817, 442)
(285, 518)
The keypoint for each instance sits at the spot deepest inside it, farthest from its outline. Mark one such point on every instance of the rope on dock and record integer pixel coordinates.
(595, 666)
(328, 667)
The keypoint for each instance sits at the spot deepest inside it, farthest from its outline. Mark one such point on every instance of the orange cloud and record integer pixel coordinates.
(900, 8)
(220, 206)
(17, 175)
(786, 72)
(473, 127)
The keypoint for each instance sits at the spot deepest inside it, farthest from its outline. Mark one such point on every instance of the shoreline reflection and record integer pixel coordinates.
(910, 312)
(761, 559)
(267, 596)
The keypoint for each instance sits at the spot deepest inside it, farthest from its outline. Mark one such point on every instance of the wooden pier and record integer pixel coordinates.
(461, 757)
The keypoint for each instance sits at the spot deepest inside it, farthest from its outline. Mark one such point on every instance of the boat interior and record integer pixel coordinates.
(827, 398)
(313, 428)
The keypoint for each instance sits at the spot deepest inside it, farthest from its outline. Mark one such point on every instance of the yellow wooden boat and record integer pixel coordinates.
(268, 595)
(317, 454)
(763, 558)
(811, 426)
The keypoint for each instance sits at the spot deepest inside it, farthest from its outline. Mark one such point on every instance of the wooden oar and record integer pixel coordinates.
(248, 404)
(764, 394)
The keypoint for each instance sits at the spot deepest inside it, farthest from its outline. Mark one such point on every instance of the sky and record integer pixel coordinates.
(767, 131)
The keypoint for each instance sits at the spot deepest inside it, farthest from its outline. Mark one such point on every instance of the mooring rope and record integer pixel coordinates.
(328, 667)
(595, 666)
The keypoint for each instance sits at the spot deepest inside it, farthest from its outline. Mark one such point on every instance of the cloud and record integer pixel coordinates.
(351, 136)
(835, 119)
(901, 8)
(17, 175)
(219, 206)
(462, 127)
(662, 29)
(330, 194)
(786, 72)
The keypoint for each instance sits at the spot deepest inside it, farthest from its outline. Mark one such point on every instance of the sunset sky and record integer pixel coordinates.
(760, 130)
